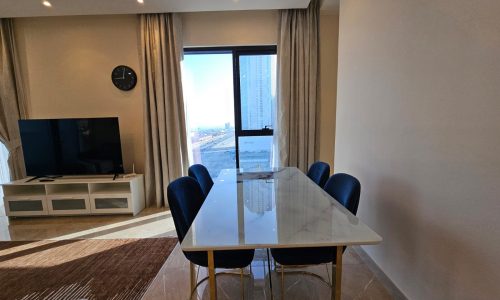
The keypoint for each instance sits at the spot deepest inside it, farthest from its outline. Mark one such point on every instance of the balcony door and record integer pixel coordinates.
(230, 95)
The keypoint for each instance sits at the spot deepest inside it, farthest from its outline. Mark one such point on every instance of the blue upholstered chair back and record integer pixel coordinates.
(346, 189)
(200, 173)
(185, 198)
(319, 172)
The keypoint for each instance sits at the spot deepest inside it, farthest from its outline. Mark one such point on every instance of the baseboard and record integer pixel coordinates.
(381, 276)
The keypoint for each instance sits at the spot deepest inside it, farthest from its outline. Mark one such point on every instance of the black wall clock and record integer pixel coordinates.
(124, 78)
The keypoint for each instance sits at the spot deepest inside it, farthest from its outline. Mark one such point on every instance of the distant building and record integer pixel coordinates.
(256, 95)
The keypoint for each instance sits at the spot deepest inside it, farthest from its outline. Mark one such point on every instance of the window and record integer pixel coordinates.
(230, 96)
(4, 172)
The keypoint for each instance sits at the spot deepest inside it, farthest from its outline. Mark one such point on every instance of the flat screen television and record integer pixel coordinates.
(71, 146)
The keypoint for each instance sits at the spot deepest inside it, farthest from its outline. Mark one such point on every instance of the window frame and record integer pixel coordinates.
(236, 52)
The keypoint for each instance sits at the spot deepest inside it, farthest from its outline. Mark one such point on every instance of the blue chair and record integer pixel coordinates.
(185, 198)
(319, 172)
(200, 173)
(344, 188)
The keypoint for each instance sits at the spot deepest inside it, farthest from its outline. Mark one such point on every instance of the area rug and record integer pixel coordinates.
(81, 269)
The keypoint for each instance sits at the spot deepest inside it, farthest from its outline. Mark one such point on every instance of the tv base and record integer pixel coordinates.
(44, 178)
(71, 195)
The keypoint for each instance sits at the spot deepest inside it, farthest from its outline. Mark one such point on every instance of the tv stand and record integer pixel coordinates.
(72, 195)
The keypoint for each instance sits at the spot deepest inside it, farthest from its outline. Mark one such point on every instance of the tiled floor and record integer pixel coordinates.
(173, 280)
(358, 281)
(149, 223)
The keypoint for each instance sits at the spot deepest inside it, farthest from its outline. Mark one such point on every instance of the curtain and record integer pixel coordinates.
(165, 124)
(298, 78)
(12, 101)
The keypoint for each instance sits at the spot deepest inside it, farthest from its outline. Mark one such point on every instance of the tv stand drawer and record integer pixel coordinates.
(25, 206)
(68, 205)
(112, 203)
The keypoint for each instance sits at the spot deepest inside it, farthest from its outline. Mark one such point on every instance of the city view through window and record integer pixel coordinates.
(4, 173)
(210, 103)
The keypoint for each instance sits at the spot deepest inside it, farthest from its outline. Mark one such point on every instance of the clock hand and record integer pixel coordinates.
(123, 76)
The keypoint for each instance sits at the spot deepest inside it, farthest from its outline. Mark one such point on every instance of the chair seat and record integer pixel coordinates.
(304, 256)
(225, 259)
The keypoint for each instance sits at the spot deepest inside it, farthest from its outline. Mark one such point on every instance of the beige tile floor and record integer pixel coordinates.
(358, 281)
(149, 223)
(172, 282)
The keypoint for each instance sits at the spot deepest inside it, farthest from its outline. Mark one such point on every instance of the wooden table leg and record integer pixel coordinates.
(211, 276)
(338, 274)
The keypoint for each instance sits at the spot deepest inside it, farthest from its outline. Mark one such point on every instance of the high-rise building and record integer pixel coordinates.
(257, 100)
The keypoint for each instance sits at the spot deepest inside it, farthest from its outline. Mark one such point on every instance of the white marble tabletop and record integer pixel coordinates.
(282, 208)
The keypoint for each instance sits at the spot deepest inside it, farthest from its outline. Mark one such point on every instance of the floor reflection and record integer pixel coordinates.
(149, 223)
(358, 281)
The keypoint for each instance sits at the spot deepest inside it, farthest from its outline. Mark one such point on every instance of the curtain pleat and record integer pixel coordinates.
(165, 125)
(298, 77)
(13, 105)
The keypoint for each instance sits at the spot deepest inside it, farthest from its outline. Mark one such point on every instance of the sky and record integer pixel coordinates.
(208, 89)
(207, 81)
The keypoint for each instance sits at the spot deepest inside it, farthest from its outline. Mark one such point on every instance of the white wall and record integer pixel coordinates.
(418, 122)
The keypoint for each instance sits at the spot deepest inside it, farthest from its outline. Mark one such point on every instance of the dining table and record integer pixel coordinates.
(274, 208)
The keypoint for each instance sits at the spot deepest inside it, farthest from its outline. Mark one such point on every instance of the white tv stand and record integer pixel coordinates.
(74, 195)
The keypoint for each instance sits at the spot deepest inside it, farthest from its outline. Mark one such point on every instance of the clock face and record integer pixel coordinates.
(124, 78)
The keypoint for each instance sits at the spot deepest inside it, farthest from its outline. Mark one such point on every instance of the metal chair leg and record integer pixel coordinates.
(269, 271)
(242, 284)
(332, 289)
(282, 282)
(328, 274)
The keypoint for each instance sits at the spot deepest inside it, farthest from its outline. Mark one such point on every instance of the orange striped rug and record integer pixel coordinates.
(81, 269)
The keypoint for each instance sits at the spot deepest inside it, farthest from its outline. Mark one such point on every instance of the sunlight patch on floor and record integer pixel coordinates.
(130, 228)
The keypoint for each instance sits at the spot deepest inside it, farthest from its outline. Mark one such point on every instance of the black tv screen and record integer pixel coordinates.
(71, 146)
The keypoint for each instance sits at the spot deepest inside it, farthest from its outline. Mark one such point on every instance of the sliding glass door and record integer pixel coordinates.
(230, 95)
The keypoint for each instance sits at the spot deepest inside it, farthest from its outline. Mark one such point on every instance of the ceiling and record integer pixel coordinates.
(31, 8)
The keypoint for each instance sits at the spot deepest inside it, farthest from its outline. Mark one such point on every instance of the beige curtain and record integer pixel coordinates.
(165, 125)
(298, 77)
(12, 101)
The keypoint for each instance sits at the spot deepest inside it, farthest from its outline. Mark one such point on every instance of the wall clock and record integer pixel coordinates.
(124, 78)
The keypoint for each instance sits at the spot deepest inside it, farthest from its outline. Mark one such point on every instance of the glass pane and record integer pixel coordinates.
(4, 173)
(256, 152)
(208, 94)
(27, 205)
(68, 204)
(258, 91)
(106, 203)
